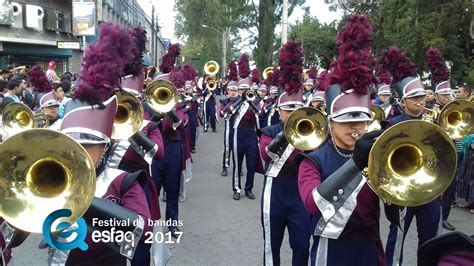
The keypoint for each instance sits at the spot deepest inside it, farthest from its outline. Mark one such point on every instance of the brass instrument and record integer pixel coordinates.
(267, 71)
(250, 95)
(411, 163)
(42, 171)
(322, 108)
(456, 118)
(17, 117)
(129, 116)
(40, 121)
(211, 68)
(305, 73)
(161, 96)
(378, 115)
(306, 128)
(211, 84)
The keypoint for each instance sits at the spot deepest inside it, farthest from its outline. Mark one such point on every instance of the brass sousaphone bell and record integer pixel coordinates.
(267, 71)
(161, 96)
(129, 117)
(411, 163)
(306, 128)
(42, 171)
(211, 68)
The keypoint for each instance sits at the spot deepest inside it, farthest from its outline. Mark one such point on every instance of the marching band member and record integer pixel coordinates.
(411, 93)
(281, 202)
(384, 92)
(226, 113)
(167, 172)
(308, 89)
(209, 108)
(444, 95)
(190, 86)
(91, 100)
(345, 210)
(49, 106)
(245, 137)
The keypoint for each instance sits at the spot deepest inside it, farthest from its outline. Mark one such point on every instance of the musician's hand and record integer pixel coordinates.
(363, 147)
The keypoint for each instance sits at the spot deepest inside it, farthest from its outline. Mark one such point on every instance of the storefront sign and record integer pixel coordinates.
(69, 45)
(35, 17)
(83, 21)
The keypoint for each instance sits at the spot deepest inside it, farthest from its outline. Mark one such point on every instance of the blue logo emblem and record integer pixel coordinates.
(81, 231)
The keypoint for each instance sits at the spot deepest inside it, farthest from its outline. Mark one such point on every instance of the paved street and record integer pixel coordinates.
(221, 231)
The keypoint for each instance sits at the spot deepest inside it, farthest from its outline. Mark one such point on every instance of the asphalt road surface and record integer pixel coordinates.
(221, 231)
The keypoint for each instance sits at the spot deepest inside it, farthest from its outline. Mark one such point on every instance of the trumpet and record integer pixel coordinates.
(306, 128)
(250, 95)
(267, 71)
(161, 96)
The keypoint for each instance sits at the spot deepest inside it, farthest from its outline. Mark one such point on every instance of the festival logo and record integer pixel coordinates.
(52, 240)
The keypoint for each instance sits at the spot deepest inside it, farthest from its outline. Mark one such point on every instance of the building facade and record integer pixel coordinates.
(31, 32)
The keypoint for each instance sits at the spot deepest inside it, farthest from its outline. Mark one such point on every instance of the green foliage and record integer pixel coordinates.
(203, 44)
(318, 41)
(417, 25)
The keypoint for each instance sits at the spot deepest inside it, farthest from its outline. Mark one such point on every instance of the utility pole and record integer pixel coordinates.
(153, 42)
(224, 53)
(284, 23)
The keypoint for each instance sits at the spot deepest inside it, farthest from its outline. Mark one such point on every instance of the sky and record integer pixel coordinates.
(166, 14)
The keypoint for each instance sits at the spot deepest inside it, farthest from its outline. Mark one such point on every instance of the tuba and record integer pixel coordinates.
(306, 128)
(17, 117)
(42, 171)
(211, 68)
(129, 116)
(161, 96)
(267, 71)
(411, 163)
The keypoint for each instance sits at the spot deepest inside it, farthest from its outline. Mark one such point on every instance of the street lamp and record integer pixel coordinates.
(224, 48)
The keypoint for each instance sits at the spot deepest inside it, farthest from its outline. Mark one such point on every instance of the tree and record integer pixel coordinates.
(269, 14)
(204, 44)
(318, 41)
(417, 25)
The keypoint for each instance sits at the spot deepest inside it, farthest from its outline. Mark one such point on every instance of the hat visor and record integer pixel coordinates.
(290, 107)
(416, 94)
(50, 104)
(352, 117)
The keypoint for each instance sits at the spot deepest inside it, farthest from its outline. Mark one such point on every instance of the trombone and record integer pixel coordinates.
(129, 116)
(42, 171)
(456, 118)
(405, 166)
(17, 117)
(161, 96)
(250, 95)
(306, 128)
(378, 115)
